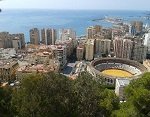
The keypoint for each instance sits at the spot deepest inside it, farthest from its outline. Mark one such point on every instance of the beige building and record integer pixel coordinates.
(89, 50)
(43, 36)
(21, 39)
(116, 33)
(122, 47)
(8, 70)
(69, 45)
(127, 48)
(139, 52)
(106, 33)
(23, 71)
(93, 31)
(80, 52)
(37, 54)
(138, 25)
(60, 53)
(146, 63)
(102, 46)
(40, 61)
(5, 40)
(48, 36)
(16, 42)
(34, 36)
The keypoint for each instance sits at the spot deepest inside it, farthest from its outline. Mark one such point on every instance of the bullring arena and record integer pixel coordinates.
(113, 68)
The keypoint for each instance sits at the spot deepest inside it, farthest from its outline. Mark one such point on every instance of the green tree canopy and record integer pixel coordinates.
(44, 96)
(54, 95)
(93, 99)
(138, 98)
(5, 102)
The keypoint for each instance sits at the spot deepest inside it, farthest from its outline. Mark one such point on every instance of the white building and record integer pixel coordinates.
(89, 50)
(65, 34)
(7, 53)
(147, 41)
(120, 86)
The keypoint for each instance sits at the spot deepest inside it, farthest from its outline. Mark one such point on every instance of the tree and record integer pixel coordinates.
(126, 110)
(138, 98)
(44, 96)
(109, 102)
(93, 99)
(5, 102)
(54, 95)
(88, 92)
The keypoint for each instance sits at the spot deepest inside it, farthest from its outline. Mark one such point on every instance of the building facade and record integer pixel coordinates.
(89, 50)
(138, 25)
(92, 31)
(147, 42)
(122, 47)
(80, 52)
(65, 34)
(119, 88)
(8, 70)
(60, 54)
(139, 52)
(48, 36)
(21, 39)
(5, 40)
(34, 36)
(102, 47)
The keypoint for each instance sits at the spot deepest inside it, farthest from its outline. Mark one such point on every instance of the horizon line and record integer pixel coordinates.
(75, 9)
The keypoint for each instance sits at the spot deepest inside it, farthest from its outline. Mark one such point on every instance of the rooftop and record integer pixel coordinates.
(123, 82)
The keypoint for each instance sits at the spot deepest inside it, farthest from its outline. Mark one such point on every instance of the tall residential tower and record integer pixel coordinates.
(48, 36)
(34, 36)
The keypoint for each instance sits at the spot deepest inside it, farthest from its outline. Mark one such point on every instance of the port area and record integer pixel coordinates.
(113, 20)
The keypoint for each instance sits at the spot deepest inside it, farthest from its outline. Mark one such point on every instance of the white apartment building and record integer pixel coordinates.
(120, 86)
(89, 50)
(147, 42)
(65, 34)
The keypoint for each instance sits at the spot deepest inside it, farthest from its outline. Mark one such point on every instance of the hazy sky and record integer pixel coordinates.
(77, 4)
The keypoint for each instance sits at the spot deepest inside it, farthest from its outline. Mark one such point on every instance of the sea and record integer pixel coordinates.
(22, 20)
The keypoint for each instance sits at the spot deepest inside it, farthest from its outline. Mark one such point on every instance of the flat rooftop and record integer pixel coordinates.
(123, 82)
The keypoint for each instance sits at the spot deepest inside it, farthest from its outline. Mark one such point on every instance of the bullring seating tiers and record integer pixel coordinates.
(133, 70)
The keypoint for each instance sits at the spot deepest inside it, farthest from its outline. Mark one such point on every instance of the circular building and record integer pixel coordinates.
(113, 68)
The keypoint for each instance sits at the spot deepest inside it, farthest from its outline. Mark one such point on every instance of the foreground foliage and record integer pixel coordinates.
(5, 99)
(54, 95)
(138, 99)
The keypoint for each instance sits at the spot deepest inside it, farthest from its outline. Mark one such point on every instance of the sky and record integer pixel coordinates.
(77, 4)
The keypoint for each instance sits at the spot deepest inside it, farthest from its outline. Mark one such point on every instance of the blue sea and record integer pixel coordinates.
(22, 20)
